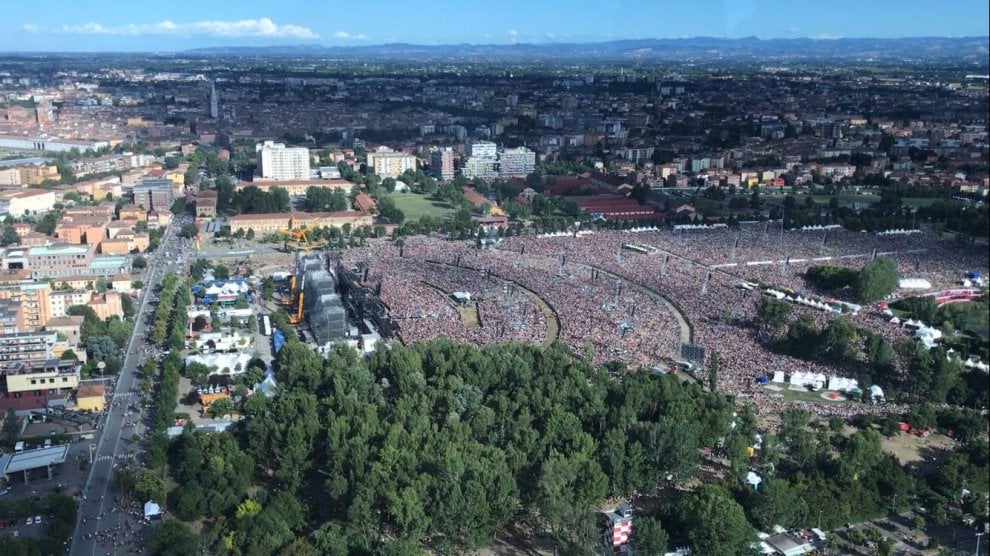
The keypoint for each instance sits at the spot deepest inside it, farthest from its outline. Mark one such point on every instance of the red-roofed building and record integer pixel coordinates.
(616, 208)
(476, 199)
(364, 202)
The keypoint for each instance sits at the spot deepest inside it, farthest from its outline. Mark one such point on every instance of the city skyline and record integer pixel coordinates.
(108, 25)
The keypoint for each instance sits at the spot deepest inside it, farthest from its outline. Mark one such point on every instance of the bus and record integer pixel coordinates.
(266, 325)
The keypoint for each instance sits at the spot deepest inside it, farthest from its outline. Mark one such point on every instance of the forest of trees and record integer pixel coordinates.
(440, 443)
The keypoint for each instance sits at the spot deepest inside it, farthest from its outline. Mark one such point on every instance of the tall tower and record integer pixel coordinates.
(214, 101)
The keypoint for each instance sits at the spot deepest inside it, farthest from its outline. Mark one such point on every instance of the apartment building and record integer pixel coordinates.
(27, 346)
(48, 376)
(89, 230)
(482, 161)
(388, 163)
(69, 326)
(61, 300)
(516, 163)
(154, 194)
(442, 163)
(276, 161)
(33, 298)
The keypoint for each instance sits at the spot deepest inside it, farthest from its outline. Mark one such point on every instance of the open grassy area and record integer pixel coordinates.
(414, 206)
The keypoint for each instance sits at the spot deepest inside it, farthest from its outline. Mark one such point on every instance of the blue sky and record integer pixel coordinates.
(159, 25)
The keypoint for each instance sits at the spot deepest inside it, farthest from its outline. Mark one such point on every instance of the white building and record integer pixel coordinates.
(442, 163)
(388, 163)
(482, 161)
(517, 163)
(276, 161)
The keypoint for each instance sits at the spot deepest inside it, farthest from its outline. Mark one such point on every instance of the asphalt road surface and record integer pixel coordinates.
(97, 518)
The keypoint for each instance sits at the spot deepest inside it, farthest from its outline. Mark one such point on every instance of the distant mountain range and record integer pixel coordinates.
(698, 48)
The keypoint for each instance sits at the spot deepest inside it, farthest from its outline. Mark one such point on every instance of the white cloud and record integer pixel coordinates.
(263, 27)
(30, 27)
(827, 37)
(792, 30)
(513, 33)
(345, 36)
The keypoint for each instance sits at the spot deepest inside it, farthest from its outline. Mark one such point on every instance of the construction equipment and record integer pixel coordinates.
(297, 318)
(299, 241)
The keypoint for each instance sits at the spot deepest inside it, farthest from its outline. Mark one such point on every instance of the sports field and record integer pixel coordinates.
(414, 205)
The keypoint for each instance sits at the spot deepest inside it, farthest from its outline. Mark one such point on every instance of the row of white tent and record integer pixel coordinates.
(226, 288)
(899, 231)
(679, 227)
(801, 300)
(820, 227)
(819, 381)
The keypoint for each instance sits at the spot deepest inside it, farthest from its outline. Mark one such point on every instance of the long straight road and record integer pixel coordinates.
(96, 513)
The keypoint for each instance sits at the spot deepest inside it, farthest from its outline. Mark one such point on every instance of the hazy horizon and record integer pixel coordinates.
(115, 26)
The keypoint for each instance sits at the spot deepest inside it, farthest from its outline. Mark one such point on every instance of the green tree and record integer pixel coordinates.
(876, 280)
(179, 206)
(777, 503)
(173, 538)
(649, 537)
(151, 487)
(715, 523)
(188, 231)
(9, 236)
(139, 263)
(773, 313)
(221, 407)
(11, 427)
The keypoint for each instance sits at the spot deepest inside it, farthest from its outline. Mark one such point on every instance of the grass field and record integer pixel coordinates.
(414, 206)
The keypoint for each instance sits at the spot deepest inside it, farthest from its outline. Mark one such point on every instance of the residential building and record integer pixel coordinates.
(68, 326)
(516, 163)
(276, 161)
(482, 161)
(154, 194)
(9, 310)
(107, 305)
(135, 212)
(33, 297)
(27, 346)
(442, 163)
(61, 300)
(42, 376)
(388, 163)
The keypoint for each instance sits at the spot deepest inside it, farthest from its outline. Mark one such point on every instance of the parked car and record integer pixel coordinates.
(30, 521)
(37, 520)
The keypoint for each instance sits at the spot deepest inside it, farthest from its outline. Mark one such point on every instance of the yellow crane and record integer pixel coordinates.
(299, 241)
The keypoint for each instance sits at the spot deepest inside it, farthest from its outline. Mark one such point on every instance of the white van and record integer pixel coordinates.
(19, 447)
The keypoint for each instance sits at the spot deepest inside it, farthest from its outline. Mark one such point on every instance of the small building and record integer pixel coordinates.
(91, 397)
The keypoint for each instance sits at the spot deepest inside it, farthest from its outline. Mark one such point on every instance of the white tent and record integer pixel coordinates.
(895, 320)
(754, 479)
(914, 284)
(778, 376)
(151, 510)
(928, 332)
(876, 393)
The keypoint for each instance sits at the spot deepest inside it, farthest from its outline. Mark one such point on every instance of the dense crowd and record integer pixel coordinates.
(613, 301)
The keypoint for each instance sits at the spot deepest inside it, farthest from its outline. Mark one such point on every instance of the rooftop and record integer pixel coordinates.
(33, 459)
